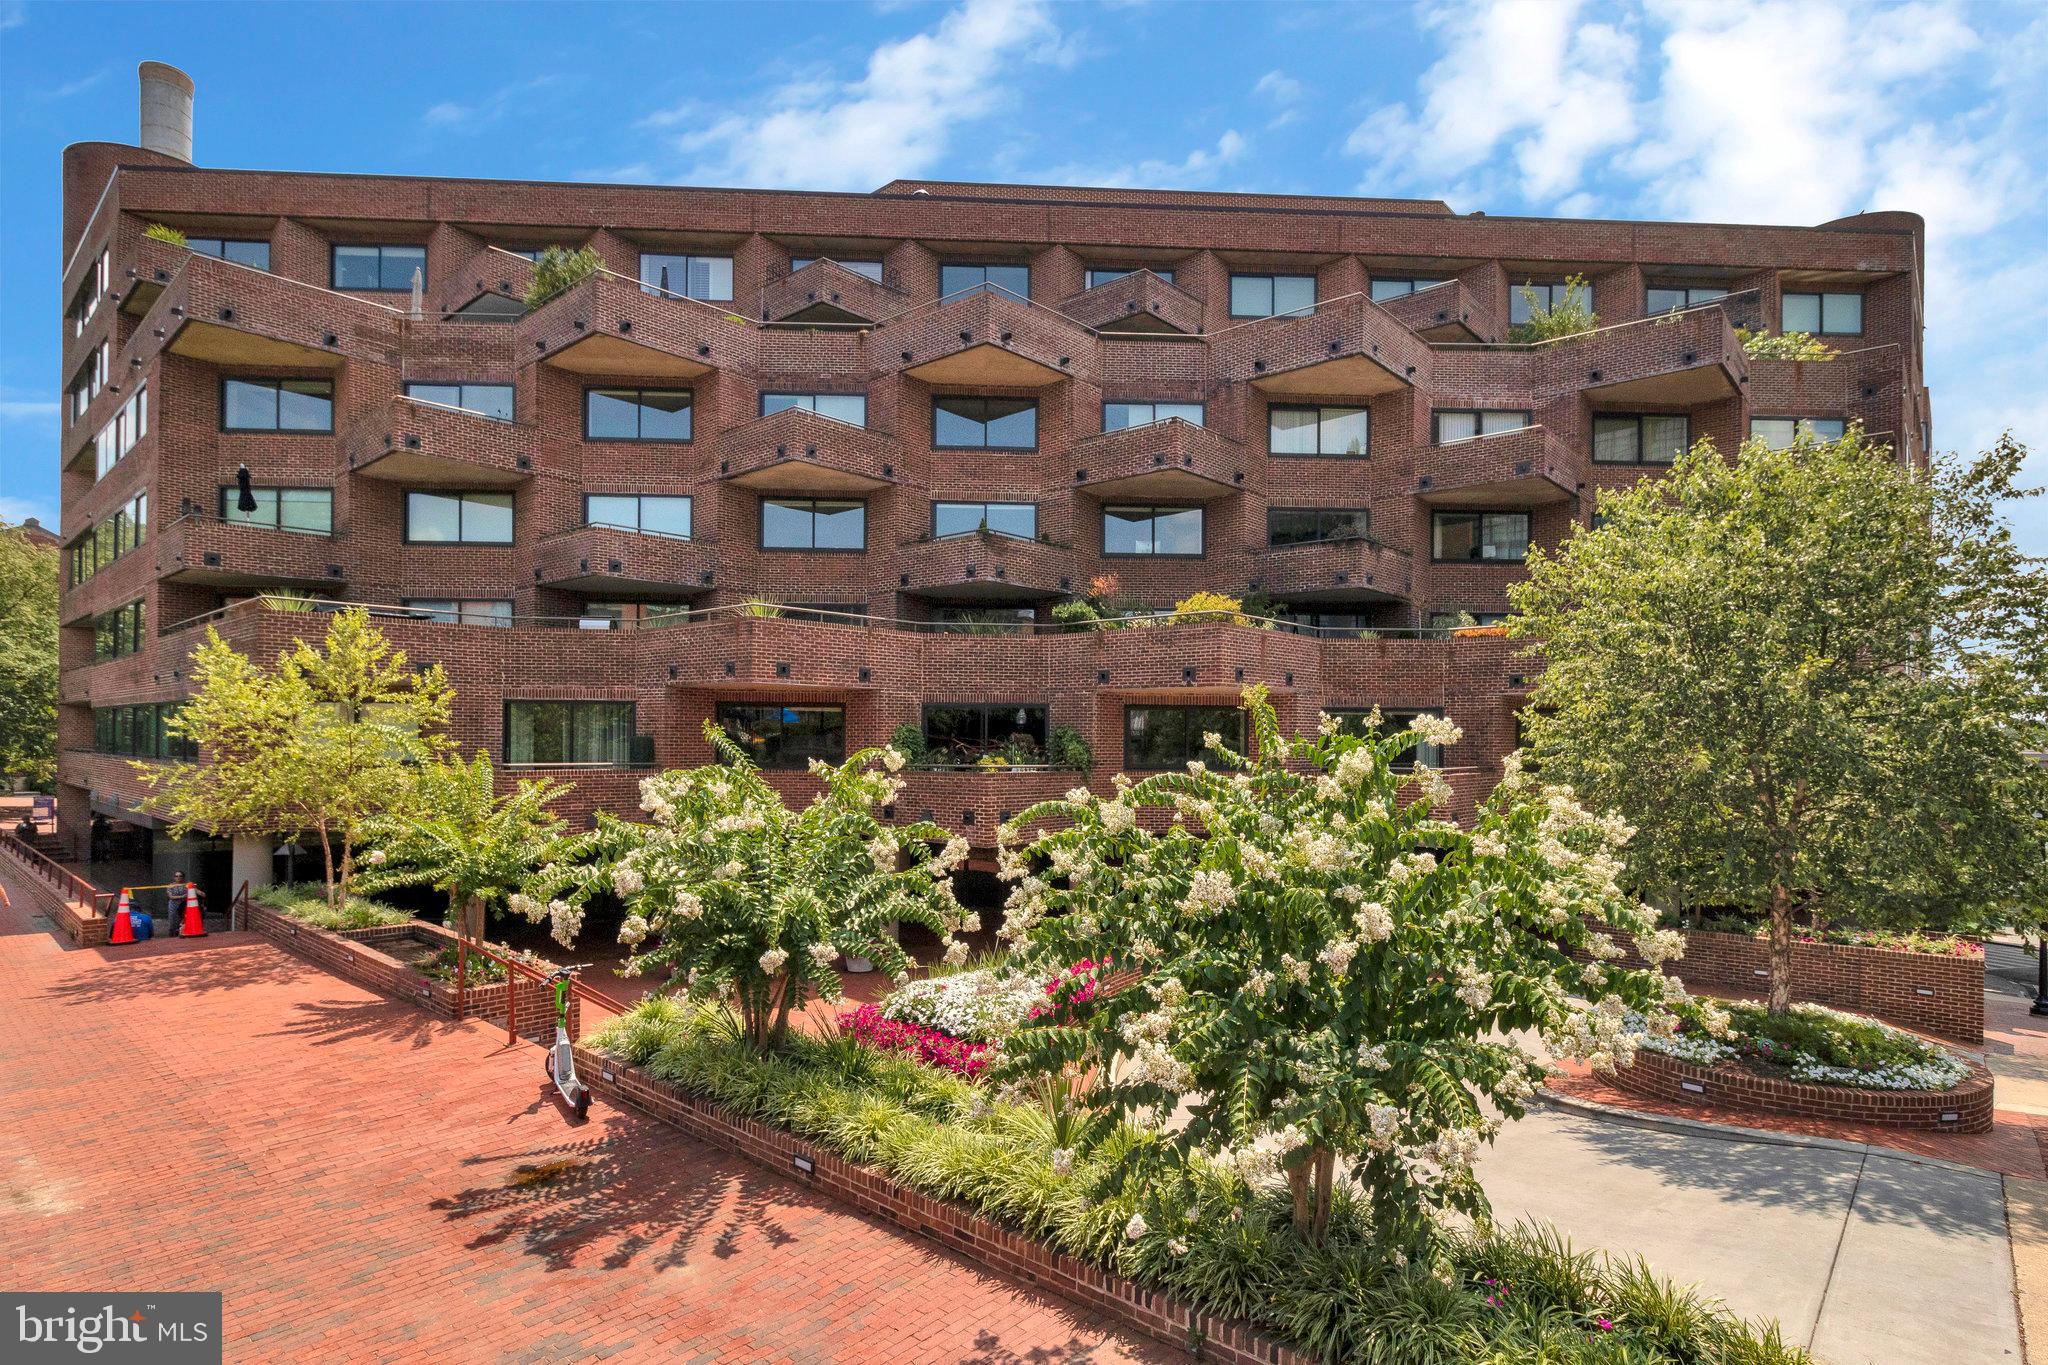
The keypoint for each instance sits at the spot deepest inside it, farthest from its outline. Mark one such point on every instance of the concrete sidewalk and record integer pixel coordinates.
(1866, 1257)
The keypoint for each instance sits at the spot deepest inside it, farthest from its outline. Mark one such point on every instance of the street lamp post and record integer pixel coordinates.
(2041, 971)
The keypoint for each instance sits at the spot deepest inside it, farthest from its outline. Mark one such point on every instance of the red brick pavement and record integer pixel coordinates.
(217, 1114)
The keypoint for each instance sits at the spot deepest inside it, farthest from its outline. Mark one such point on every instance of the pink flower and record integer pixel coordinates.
(1606, 1325)
(870, 1027)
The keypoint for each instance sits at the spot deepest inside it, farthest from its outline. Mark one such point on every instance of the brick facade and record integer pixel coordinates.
(180, 323)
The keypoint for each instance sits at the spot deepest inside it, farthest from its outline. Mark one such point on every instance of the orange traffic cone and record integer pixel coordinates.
(195, 924)
(124, 927)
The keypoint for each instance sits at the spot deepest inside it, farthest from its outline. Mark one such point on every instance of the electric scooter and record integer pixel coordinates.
(561, 1058)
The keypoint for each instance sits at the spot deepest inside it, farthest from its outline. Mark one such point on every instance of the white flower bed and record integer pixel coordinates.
(1936, 1070)
(1696, 1048)
(976, 1007)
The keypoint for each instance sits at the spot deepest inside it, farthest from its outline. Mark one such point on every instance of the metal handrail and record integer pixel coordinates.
(78, 890)
(1651, 320)
(201, 515)
(803, 614)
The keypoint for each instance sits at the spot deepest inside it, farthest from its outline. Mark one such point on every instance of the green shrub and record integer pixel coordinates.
(1568, 318)
(1496, 1295)
(308, 905)
(163, 232)
(1790, 346)
(560, 269)
(1066, 747)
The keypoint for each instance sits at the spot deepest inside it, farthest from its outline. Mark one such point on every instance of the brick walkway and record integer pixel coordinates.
(367, 1183)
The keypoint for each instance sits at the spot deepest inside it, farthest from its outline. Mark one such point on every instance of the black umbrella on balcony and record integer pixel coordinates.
(245, 496)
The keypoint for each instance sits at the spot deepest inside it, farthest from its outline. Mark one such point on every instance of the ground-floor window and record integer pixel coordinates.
(1357, 720)
(965, 732)
(569, 732)
(1158, 737)
(785, 736)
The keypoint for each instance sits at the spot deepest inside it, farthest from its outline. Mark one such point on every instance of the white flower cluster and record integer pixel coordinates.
(688, 906)
(376, 857)
(1938, 1073)
(1696, 1048)
(978, 1006)
(1475, 988)
(525, 906)
(1602, 1037)
(1260, 1159)
(824, 954)
(565, 922)
(1209, 889)
(1438, 730)
(1409, 866)
(634, 930)
(1660, 946)
(626, 880)
(772, 960)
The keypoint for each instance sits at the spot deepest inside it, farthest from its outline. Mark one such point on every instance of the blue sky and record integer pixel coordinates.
(1729, 111)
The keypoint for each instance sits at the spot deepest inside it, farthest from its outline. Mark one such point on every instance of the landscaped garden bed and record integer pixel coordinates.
(1813, 1062)
(1201, 1260)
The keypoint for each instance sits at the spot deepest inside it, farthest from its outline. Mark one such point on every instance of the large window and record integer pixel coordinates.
(1298, 430)
(1492, 536)
(1462, 424)
(985, 423)
(1669, 298)
(850, 408)
(636, 414)
(1158, 737)
(485, 400)
(1152, 531)
(253, 254)
(813, 524)
(1014, 280)
(871, 270)
(776, 736)
(86, 384)
(310, 510)
(624, 614)
(387, 269)
(1305, 525)
(1265, 296)
(140, 731)
(569, 732)
(85, 300)
(1451, 620)
(1384, 289)
(960, 733)
(1779, 433)
(1018, 519)
(112, 442)
(1352, 720)
(649, 513)
(1104, 276)
(118, 632)
(113, 537)
(458, 518)
(277, 404)
(1825, 314)
(1549, 296)
(1649, 438)
(1117, 416)
(693, 277)
(462, 611)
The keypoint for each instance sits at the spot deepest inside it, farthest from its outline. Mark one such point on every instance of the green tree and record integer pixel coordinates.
(559, 270)
(755, 901)
(1812, 678)
(321, 743)
(457, 834)
(28, 656)
(1325, 977)
(1568, 317)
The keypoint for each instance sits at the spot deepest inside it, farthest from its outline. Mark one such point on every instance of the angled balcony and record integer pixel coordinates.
(490, 286)
(1137, 304)
(737, 654)
(797, 451)
(1196, 660)
(609, 325)
(203, 550)
(984, 566)
(1358, 570)
(1675, 359)
(409, 441)
(1525, 468)
(1349, 347)
(148, 274)
(1173, 460)
(226, 314)
(604, 560)
(827, 292)
(985, 339)
(1451, 311)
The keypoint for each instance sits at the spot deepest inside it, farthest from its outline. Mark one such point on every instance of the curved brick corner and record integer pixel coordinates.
(1660, 1077)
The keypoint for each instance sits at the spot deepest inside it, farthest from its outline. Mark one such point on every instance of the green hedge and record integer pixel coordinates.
(1517, 1294)
(308, 905)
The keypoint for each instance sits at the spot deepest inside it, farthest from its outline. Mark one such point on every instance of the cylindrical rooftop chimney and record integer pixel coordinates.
(166, 110)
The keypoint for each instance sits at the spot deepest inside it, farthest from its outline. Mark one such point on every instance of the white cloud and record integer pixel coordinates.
(895, 120)
(453, 115)
(1278, 87)
(1199, 169)
(28, 409)
(15, 511)
(1527, 78)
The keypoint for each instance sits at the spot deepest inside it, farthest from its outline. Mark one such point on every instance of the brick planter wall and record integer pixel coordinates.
(80, 923)
(1660, 1077)
(352, 953)
(1932, 992)
(980, 1240)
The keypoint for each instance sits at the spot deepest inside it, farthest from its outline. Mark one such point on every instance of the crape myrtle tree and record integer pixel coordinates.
(1813, 678)
(754, 901)
(457, 834)
(28, 656)
(1323, 977)
(320, 743)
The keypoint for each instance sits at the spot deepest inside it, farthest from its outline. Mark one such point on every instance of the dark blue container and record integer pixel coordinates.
(145, 927)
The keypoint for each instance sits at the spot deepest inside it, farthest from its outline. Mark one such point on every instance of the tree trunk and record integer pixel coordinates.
(1781, 950)
(327, 863)
(454, 919)
(1299, 1178)
(473, 919)
(1326, 1188)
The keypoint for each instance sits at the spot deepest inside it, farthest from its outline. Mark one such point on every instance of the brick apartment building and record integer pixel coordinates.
(917, 419)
